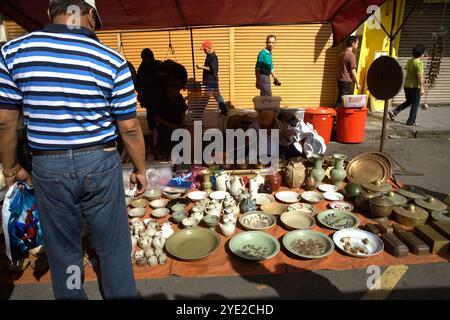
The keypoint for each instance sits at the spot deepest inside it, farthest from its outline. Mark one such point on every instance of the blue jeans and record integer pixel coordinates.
(412, 96)
(213, 89)
(88, 185)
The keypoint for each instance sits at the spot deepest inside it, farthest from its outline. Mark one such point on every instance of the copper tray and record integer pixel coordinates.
(369, 167)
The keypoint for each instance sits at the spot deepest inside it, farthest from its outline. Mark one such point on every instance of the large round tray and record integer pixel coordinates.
(369, 167)
(193, 243)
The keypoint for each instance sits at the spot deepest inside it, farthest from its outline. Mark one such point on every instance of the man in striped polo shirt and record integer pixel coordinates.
(77, 95)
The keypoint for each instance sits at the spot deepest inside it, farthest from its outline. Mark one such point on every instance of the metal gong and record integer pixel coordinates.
(385, 78)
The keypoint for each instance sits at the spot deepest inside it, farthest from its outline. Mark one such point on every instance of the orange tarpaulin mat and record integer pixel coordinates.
(223, 263)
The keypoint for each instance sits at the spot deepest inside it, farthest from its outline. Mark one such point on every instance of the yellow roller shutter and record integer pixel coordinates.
(134, 42)
(303, 60)
(109, 39)
(13, 30)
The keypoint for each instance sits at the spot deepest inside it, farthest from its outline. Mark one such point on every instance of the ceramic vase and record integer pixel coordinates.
(338, 173)
(318, 173)
(310, 182)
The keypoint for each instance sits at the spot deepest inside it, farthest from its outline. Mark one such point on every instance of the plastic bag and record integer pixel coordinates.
(21, 225)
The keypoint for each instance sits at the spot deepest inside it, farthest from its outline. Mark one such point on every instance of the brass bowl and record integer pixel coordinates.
(362, 199)
(381, 207)
(351, 190)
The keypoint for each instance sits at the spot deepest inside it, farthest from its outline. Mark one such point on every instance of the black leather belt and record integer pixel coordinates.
(111, 144)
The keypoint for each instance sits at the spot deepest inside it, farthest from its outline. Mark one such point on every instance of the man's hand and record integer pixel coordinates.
(22, 175)
(422, 91)
(199, 66)
(138, 179)
(276, 82)
(358, 86)
(258, 85)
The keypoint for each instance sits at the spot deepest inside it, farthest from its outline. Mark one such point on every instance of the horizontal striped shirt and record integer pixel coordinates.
(72, 88)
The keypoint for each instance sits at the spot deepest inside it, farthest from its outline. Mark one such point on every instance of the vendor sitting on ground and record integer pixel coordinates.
(170, 107)
(269, 119)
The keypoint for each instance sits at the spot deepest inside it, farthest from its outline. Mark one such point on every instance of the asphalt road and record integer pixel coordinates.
(427, 281)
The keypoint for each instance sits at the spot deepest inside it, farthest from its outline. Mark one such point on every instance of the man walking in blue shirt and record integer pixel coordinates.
(264, 68)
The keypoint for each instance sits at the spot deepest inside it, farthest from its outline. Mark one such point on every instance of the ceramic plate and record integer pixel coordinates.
(338, 219)
(312, 196)
(184, 201)
(197, 195)
(287, 196)
(218, 195)
(297, 243)
(328, 187)
(333, 196)
(257, 220)
(263, 198)
(137, 212)
(304, 207)
(341, 205)
(297, 220)
(274, 208)
(254, 245)
(355, 238)
(192, 243)
(174, 190)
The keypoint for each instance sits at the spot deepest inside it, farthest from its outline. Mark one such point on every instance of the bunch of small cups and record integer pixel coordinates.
(147, 242)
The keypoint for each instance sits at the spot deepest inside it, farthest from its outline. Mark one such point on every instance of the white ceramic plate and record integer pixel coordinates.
(333, 196)
(375, 245)
(304, 207)
(197, 195)
(174, 190)
(328, 187)
(218, 195)
(262, 198)
(312, 196)
(341, 205)
(287, 196)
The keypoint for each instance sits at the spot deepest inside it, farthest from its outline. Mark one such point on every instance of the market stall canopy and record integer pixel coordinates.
(344, 15)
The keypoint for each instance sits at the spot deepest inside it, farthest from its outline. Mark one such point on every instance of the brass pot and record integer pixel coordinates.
(397, 199)
(381, 207)
(431, 204)
(351, 190)
(411, 215)
(362, 199)
(378, 186)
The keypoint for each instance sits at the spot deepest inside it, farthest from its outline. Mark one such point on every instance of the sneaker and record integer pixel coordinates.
(412, 124)
(391, 115)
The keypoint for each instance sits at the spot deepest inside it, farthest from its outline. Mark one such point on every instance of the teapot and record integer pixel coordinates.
(247, 204)
(227, 228)
(236, 185)
(254, 185)
(145, 242)
(197, 215)
(222, 181)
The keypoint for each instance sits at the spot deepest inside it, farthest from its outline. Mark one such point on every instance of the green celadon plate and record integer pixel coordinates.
(338, 219)
(306, 235)
(254, 245)
(193, 243)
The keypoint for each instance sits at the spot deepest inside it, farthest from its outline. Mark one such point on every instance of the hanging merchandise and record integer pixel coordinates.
(170, 49)
(434, 64)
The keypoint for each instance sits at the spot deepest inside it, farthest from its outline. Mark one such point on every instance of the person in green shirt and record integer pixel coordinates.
(264, 68)
(413, 86)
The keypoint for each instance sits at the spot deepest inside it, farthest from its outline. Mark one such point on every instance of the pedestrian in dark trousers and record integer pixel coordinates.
(264, 68)
(347, 70)
(413, 86)
(147, 85)
(77, 95)
(211, 76)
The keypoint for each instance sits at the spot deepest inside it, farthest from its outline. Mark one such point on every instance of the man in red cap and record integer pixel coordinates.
(211, 76)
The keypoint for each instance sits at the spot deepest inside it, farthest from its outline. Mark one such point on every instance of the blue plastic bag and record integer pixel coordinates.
(21, 225)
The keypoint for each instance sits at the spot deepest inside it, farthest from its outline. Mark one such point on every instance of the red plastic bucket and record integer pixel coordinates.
(350, 125)
(322, 120)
